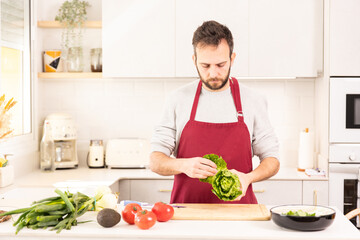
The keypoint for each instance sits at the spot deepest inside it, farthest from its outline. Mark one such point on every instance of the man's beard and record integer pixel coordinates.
(207, 82)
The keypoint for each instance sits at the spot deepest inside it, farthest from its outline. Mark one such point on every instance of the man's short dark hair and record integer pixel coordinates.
(211, 33)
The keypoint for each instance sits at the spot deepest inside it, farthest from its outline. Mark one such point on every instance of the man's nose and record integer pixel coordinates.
(212, 72)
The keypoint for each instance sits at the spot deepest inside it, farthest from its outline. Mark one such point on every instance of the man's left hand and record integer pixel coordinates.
(244, 181)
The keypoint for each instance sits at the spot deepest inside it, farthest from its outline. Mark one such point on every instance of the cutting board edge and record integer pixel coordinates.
(263, 214)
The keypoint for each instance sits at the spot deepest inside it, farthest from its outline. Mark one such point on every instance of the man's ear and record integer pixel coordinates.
(232, 58)
(194, 59)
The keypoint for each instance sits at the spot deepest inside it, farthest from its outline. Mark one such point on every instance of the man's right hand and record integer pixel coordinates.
(198, 167)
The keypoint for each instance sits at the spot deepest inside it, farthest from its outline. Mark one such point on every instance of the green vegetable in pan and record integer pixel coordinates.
(226, 185)
(300, 213)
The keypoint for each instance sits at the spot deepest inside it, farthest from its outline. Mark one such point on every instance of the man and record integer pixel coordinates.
(209, 116)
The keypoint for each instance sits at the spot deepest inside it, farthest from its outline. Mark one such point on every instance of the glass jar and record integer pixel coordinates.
(96, 59)
(75, 60)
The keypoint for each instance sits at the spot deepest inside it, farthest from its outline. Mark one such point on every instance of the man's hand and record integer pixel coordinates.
(198, 167)
(244, 181)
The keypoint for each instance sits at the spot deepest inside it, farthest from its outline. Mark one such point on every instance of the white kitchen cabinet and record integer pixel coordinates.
(123, 189)
(344, 38)
(315, 192)
(138, 38)
(145, 190)
(285, 38)
(190, 14)
(153, 38)
(150, 190)
(278, 192)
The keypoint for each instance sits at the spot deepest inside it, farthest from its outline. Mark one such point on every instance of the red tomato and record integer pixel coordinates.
(163, 211)
(145, 219)
(130, 211)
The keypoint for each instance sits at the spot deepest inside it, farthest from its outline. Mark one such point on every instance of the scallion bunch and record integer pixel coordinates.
(59, 212)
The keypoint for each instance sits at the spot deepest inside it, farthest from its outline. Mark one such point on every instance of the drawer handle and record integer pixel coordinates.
(165, 190)
(315, 198)
(259, 191)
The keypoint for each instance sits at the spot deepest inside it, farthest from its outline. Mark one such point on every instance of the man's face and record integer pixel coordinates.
(213, 64)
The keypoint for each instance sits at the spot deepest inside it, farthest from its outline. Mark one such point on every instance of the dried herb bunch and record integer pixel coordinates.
(5, 116)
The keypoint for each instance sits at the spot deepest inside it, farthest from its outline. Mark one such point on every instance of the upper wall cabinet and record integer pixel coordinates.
(153, 38)
(190, 14)
(285, 38)
(344, 38)
(138, 38)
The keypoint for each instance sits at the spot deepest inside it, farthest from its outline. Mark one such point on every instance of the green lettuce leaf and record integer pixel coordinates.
(219, 161)
(220, 164)
(226, 185)
(300, 213)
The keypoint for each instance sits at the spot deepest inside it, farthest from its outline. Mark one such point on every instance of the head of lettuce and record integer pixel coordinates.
(226, 185)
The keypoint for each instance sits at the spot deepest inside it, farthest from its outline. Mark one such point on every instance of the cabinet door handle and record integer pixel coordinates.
(315, 198)
(164, 190)
(259, 191)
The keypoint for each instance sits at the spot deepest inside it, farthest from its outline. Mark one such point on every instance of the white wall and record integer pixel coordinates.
(112, 108)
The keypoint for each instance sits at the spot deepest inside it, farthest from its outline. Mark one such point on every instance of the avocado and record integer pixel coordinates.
(108, 217)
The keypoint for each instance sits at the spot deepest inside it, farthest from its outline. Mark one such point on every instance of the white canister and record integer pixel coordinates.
(306, 150)
(96, 154)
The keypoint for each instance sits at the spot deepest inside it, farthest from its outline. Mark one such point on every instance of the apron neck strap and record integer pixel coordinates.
(196, 101)
(235, 91)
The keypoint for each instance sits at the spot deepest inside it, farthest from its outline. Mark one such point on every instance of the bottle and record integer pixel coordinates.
(47, 150)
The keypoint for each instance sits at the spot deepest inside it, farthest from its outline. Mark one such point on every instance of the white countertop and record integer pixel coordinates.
(40, 184)
(104, 176)
(341, 229)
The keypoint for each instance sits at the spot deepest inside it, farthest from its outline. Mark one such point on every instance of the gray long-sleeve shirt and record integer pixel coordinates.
(215, 107)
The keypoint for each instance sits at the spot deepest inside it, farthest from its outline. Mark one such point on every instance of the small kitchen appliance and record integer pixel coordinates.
(127, 153)
(63, 132)
(96, 154)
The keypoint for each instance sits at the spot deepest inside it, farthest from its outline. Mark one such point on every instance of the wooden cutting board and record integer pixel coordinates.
(247, 212)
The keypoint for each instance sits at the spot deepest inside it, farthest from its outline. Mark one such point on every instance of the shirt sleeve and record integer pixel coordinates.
(264, 141)
(164, 134)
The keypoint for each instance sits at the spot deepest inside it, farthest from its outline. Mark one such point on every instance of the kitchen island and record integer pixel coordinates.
(184, 229)
(37, 185)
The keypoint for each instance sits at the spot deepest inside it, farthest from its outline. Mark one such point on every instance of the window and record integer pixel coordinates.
(15, 80)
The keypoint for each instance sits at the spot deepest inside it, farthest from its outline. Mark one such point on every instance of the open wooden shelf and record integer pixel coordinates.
(56, 24)
(63, 75)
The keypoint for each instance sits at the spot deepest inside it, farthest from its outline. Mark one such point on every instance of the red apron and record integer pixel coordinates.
(229, 140)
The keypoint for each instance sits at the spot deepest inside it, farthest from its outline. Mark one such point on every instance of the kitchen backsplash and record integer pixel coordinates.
(114, 108)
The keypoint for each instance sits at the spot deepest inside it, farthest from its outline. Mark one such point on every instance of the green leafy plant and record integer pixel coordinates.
(72, 14)
(226, 185)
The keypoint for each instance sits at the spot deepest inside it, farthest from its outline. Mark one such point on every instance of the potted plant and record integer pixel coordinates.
(72, 14)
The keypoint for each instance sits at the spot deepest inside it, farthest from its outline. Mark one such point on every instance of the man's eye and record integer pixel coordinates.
(221, 65)
(205, 66)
